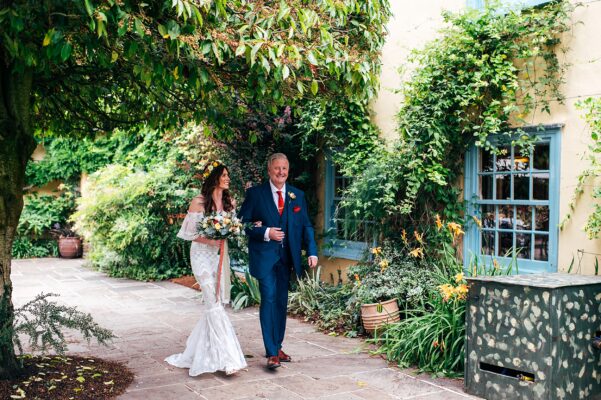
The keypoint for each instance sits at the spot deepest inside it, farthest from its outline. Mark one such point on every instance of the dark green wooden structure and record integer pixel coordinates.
(531, 337)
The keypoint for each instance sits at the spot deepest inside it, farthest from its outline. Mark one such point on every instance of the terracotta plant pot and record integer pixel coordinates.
(375, 315)
(69, 247)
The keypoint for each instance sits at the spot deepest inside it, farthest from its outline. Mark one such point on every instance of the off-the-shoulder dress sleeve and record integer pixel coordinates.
(189, 230)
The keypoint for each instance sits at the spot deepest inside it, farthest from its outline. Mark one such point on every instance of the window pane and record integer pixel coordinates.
(541, 156)
(540, 186)
(505, 217)
(522, 244)
(541, 247)
(503, 187)
(488, 243)
(523, 217)
(486, 187)
(521, 187)
(487, 215)
(541, 218)
(504, 159)
(505, 244)
(486, 161)
(521, 162)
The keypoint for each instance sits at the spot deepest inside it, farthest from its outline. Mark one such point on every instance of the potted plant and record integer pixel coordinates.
(69, 244)
(388, 279)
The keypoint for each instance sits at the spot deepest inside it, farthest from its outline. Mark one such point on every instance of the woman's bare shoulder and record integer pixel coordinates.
(197, 204)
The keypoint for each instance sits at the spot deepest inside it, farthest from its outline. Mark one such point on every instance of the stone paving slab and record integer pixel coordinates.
(153, 319)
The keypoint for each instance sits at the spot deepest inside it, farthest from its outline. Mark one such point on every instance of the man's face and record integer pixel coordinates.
(278, 171)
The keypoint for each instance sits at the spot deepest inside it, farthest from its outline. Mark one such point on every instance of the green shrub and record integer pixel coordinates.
(432, 335)
(24, 247)
(42, 213)
(391, 274)
(245, 293)
(127, 217)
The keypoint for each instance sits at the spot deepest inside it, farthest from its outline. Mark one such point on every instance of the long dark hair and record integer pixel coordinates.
(209, 185)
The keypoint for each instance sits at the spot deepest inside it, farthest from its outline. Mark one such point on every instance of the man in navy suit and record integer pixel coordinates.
(274, 249)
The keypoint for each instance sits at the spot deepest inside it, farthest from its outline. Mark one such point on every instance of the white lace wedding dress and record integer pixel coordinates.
(212, 345)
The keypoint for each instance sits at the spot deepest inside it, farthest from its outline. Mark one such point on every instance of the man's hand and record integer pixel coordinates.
(276, 234)
(312, 261)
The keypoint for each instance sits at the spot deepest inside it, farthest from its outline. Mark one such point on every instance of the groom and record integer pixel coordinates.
(275, 248)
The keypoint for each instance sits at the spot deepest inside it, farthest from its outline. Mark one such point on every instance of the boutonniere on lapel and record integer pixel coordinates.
(291, 195)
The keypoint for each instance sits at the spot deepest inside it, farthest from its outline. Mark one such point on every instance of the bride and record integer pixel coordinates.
(212, 345)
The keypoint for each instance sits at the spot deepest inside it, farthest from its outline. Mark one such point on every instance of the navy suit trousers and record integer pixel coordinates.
(274, 305)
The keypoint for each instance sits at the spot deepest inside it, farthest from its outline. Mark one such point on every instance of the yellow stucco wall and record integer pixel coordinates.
(414, 24)
(583, 79)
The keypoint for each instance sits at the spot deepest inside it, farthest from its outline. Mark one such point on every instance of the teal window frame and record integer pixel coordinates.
(472, 241)
(333, 246)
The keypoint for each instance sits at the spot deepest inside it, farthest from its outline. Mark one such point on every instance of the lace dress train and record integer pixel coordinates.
(212, 345)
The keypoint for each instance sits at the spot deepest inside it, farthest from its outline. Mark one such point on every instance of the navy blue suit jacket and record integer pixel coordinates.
(259, 206)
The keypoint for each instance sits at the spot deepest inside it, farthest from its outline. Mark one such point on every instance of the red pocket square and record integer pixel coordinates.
(296, 209)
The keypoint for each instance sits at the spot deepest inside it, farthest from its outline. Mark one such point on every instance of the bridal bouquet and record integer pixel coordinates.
(220, 225)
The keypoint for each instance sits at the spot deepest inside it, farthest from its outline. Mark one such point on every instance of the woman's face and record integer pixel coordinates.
(224, 180)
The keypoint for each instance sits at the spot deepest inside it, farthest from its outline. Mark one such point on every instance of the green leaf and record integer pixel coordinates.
(66, 51)
(80, 379)
(311, 58)
(89, 7)
(46, 41)
(314, 87)
(253, 52)
(240, 49)
(285, 72)
(163, 31)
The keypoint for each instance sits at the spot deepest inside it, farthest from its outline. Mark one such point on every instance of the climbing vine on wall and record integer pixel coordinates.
(487, 73)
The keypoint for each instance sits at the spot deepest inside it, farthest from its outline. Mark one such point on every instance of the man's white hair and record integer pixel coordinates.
(276, 156)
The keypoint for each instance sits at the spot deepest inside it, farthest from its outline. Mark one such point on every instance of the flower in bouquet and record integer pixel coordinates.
(220, 225)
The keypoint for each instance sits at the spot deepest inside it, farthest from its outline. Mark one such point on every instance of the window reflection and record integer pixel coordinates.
(503, 187)
(541, 247)
(541, 156)
(522, 245)
(523, 217)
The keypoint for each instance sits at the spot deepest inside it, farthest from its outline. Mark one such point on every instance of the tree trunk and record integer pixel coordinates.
(16, 146)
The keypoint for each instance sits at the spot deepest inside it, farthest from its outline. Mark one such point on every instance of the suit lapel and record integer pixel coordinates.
(268, 197)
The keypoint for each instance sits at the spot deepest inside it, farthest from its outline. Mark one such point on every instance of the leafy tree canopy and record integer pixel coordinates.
(98, 65)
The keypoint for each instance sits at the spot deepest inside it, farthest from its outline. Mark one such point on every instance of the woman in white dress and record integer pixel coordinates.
(212, 345)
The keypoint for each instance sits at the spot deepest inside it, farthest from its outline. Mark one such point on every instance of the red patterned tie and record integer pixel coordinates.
(280, 203)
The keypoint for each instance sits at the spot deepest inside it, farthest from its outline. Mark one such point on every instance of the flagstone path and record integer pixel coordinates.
(153, 319)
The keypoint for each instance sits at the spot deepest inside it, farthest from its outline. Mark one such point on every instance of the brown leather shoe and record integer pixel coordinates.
(273, 362)
(283, 356)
